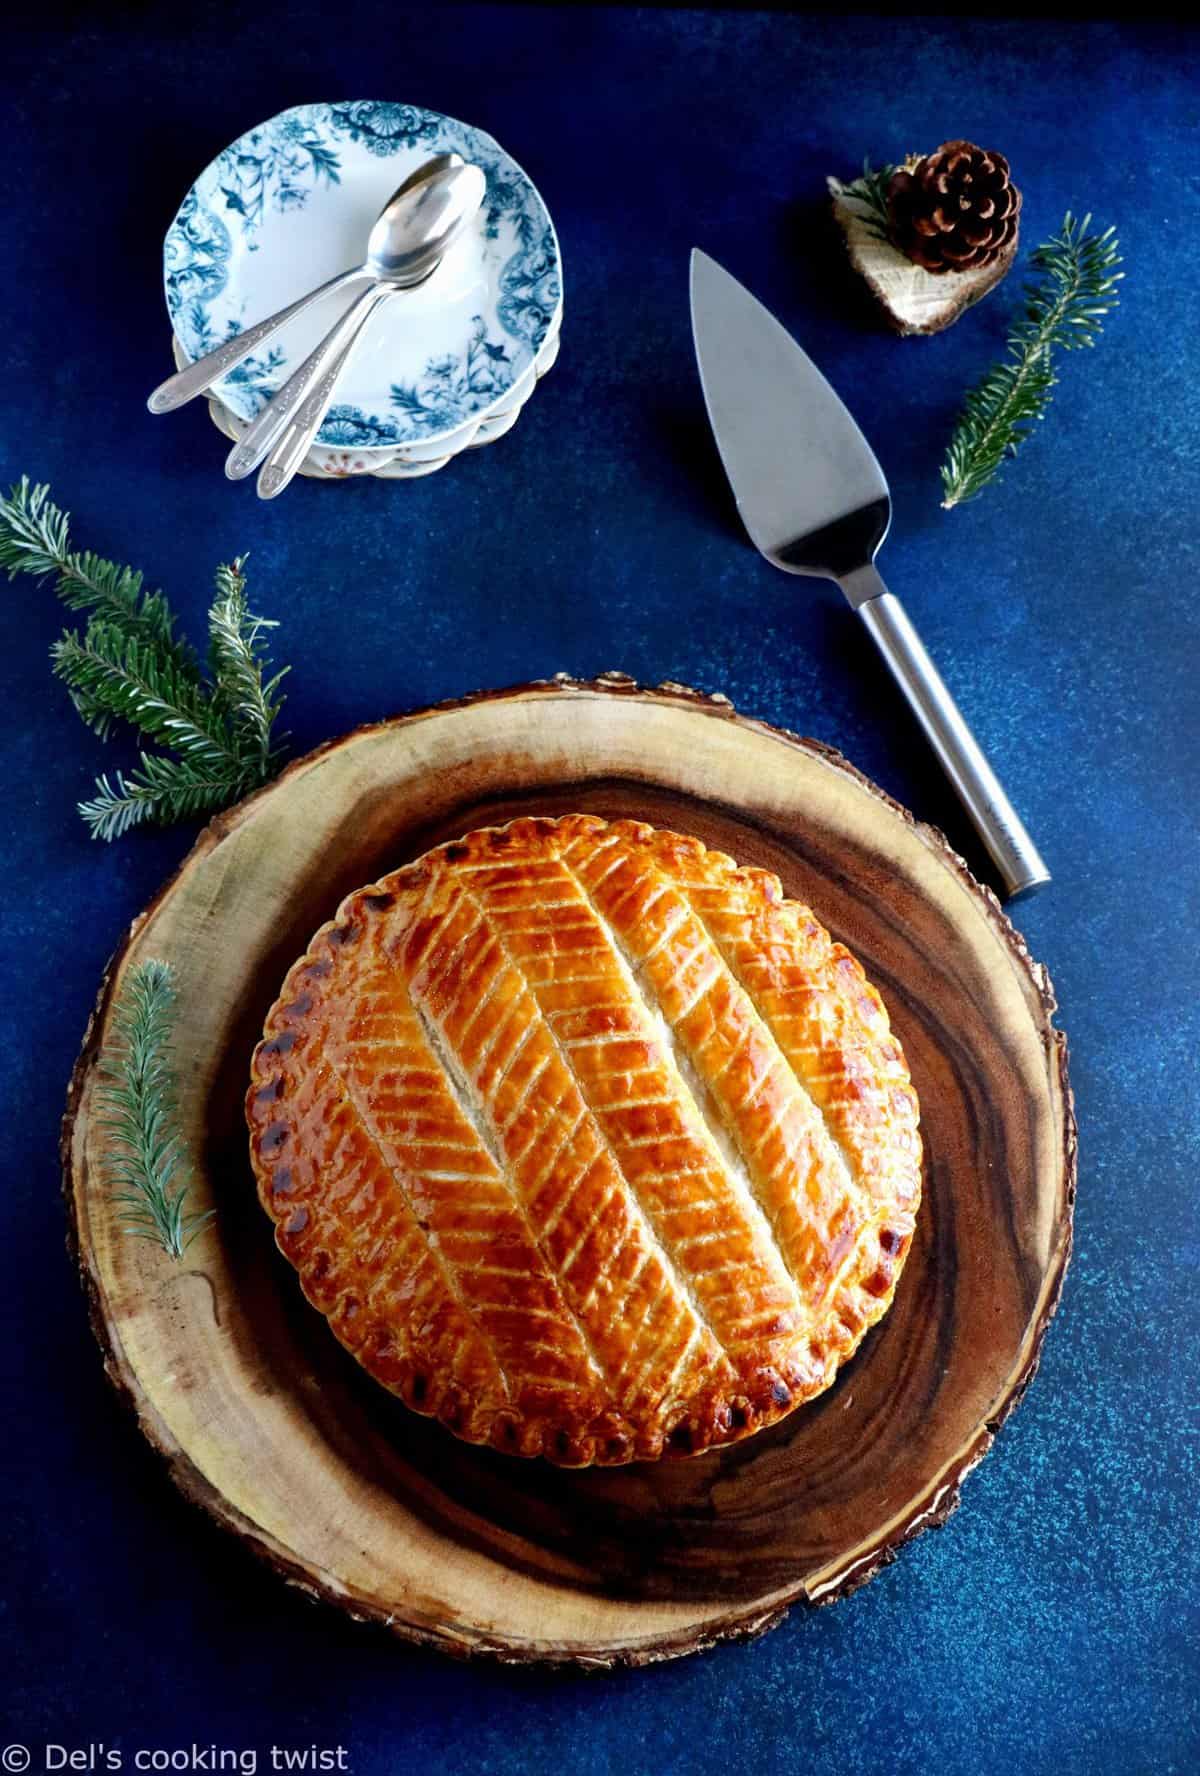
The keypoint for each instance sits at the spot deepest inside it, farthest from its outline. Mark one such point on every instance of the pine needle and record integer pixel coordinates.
(139, 1114)
(129, 666)
(1064, 310)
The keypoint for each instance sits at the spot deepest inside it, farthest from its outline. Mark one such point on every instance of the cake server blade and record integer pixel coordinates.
(814, 500)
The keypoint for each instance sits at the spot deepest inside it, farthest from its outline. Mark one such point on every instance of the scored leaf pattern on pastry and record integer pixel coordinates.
(586, 1141)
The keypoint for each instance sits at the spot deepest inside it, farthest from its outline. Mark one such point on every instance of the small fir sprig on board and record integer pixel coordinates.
(871, 190)
(1064, 309)
(138, 1113)
(128, 664)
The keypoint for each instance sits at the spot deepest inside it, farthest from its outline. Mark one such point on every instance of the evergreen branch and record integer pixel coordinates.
(1064, 310)
(121, 675)
(35, 539)
(139, 1114)
(33, 532)
(237, 659)
(871, 190)
(160, 790)
(129, 665)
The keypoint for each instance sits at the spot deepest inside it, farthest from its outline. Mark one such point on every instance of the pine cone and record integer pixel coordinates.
(955, 210)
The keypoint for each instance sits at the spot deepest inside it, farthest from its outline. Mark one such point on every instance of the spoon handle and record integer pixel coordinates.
(193, 379)
(293, 443)
(262, 432)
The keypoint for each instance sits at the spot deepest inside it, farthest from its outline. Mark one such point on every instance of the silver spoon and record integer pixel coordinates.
(195, 378)
(291, 443)
(405, 246)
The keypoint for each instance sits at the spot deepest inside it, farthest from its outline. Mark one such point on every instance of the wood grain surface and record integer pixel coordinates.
(265, 1421)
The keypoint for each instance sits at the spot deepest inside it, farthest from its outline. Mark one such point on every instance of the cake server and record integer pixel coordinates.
(815, 502)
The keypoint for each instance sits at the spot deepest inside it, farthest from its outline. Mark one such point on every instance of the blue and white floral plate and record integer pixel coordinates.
(326, 463)
(290, 204)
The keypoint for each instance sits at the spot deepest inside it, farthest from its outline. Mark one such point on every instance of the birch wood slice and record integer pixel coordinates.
(911, 299)
(270, 1425)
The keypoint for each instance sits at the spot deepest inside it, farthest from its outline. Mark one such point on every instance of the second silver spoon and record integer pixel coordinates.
(406, 244)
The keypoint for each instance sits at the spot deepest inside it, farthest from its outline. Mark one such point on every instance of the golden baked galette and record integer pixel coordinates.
(587, 1141)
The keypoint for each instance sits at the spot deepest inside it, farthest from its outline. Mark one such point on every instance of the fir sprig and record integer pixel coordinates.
(237, 659)
(129, 665)
(1064, 309)
(871, 190)
(159, 789)
(139, 1115)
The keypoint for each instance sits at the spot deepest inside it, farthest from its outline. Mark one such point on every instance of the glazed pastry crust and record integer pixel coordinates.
(586, 1141)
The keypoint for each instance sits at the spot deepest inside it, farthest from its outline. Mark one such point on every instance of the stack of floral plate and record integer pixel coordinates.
(439, 369)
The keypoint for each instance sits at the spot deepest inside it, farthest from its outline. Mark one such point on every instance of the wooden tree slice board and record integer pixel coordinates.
(271, 1426)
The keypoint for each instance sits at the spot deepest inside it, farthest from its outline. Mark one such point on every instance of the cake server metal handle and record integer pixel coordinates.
(997, 822)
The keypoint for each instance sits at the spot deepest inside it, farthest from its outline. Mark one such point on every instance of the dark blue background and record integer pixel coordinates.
(1053, 1625)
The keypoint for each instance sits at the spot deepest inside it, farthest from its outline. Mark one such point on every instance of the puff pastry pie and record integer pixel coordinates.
(587, 1141)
